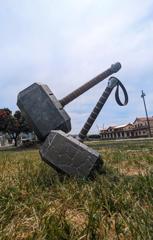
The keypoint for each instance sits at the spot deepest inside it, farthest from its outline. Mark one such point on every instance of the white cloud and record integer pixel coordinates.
(65, 44)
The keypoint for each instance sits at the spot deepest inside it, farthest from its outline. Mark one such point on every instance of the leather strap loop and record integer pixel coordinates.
(117, 97)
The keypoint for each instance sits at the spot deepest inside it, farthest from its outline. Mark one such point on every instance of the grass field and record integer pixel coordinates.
(35, 203)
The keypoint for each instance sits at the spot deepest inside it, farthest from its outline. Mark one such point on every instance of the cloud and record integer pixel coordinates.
(65, 44)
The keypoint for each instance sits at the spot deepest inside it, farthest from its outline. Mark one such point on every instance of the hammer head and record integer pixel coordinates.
(42, 110)
(68, 155)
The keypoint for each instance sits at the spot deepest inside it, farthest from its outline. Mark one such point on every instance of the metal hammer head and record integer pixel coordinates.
(68, 155)
(42, 110)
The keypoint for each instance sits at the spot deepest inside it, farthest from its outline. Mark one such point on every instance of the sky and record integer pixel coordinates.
(68, 42)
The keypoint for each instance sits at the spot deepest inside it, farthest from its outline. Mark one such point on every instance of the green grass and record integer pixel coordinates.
(35, 203)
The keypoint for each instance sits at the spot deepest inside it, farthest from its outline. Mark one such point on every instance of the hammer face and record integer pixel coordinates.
(42, 110)
(68, 155)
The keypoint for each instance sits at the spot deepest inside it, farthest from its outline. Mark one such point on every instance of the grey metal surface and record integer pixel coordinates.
(112, 82)
(42, 110)
(95, 112)
(68, 155)
(85, 87)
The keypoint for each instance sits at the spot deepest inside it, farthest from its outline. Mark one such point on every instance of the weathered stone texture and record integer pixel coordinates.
(67, 154)
(42, 110)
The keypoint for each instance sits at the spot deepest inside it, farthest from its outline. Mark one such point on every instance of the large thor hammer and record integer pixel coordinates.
(71, 156)
(45, 113)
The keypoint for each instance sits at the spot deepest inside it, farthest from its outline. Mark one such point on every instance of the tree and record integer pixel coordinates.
(13, 124)
(5, 114)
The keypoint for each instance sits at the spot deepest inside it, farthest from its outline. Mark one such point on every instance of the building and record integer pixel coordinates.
(3, 139)
(27, 138)
(139, 128)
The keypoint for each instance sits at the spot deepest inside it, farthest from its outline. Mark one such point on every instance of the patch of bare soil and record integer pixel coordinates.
(76, 218)
(132, 171)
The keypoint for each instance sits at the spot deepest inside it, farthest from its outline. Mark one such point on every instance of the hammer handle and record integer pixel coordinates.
(69, 98)
(111, 84)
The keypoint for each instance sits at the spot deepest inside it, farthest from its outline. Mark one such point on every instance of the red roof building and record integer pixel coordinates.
(139, 128)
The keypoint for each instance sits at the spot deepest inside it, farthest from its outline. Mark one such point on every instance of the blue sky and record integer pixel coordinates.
(66, 43)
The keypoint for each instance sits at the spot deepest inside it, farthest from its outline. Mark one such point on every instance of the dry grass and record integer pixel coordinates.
(35, 203)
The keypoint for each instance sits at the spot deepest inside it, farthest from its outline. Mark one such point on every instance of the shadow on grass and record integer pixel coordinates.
(48, 176)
